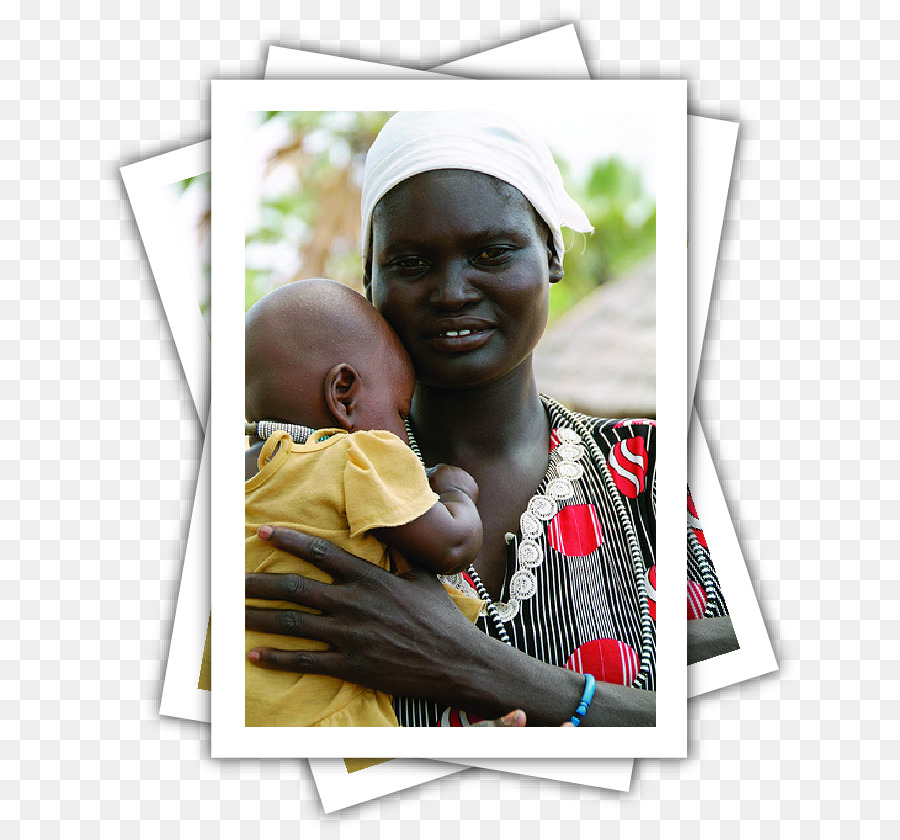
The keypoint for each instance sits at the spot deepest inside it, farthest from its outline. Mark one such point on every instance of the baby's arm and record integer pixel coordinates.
(447, 537)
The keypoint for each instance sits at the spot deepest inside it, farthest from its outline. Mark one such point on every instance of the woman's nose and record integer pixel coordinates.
(454, 287)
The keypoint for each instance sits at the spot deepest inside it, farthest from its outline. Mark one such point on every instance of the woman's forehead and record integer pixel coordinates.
(459, 196)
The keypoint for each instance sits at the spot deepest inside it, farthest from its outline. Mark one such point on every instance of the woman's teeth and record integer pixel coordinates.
(453, 333)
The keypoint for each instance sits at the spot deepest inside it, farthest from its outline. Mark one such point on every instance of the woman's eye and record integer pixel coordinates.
(409, 263)
(493, 254)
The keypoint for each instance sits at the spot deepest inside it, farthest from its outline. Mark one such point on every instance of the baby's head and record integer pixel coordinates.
(319, 354)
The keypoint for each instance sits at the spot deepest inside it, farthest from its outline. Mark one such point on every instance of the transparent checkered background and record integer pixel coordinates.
(798, 392)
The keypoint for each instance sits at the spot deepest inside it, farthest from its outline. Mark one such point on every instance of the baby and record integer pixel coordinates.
(319, 355)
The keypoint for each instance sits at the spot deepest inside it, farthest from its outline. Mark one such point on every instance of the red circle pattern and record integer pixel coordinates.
(609, 660)
(575, 530)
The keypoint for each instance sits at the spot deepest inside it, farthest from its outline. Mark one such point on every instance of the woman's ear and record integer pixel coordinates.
(553, 261)
(342, 394)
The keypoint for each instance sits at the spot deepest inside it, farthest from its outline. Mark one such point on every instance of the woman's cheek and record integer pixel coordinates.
(530, 308)
(400, 321)
(385, 300)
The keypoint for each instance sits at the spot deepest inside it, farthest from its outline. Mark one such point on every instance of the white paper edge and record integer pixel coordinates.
(755, 656)
(172, 259)
(180, 695)
(711, 145)
(339, 788)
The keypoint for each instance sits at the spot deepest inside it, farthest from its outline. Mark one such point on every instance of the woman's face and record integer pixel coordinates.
(460, 269)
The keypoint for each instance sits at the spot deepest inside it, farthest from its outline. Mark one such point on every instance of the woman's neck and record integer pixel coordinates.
(487, 421)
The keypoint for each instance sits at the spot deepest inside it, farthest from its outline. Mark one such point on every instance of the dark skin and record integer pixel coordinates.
(452, 251)
(507, 469)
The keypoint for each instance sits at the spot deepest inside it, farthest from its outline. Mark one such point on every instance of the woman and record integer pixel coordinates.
(462, 217)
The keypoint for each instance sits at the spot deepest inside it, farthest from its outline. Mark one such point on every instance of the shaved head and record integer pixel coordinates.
(295, 335)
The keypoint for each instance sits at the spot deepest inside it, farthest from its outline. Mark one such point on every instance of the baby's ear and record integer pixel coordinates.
(342, 394)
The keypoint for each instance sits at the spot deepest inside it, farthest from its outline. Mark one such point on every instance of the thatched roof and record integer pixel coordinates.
(600, 357)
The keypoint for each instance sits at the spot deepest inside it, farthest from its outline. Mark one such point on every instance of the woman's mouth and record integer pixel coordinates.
(459, 340)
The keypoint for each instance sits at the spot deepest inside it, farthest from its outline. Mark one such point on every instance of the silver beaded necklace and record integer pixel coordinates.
(543, 507)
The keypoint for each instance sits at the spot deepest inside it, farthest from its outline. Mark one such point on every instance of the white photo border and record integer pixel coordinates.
(233, 103)
(339, 788)
(755, 655)
(711, 145)
(180, 695)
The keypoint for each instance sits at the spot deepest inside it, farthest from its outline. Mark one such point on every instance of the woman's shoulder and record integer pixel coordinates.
(625, 446)
(619, 426)
(613, 431)
(606, 432)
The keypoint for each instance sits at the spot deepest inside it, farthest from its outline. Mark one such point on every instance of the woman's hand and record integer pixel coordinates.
(397, 634)
(402, 634)
(515, 718)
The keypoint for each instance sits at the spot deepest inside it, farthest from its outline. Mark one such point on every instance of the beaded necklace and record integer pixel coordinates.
(543, 507)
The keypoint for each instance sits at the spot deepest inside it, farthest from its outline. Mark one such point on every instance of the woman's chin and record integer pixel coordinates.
(464, 374)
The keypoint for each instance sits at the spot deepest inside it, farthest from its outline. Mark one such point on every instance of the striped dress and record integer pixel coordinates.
(586, 612)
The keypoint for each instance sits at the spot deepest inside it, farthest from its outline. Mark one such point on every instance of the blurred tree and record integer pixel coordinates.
(309, 210)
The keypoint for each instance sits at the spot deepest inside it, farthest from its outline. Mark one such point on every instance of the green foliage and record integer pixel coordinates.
(624, 219)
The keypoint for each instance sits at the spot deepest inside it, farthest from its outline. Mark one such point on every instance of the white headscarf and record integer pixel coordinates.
(495, 144)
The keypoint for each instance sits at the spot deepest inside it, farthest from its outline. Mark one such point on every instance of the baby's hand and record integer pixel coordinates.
(444, 478)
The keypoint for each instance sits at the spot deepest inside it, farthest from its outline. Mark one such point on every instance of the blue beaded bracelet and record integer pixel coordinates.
(585, 702)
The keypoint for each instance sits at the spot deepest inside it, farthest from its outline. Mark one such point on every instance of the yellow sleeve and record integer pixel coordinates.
(470, 607)
(384, 483)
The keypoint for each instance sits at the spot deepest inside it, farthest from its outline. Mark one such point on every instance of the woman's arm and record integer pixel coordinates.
(403, 635)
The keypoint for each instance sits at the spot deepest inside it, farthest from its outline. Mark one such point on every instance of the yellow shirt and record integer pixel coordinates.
(338, 486)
